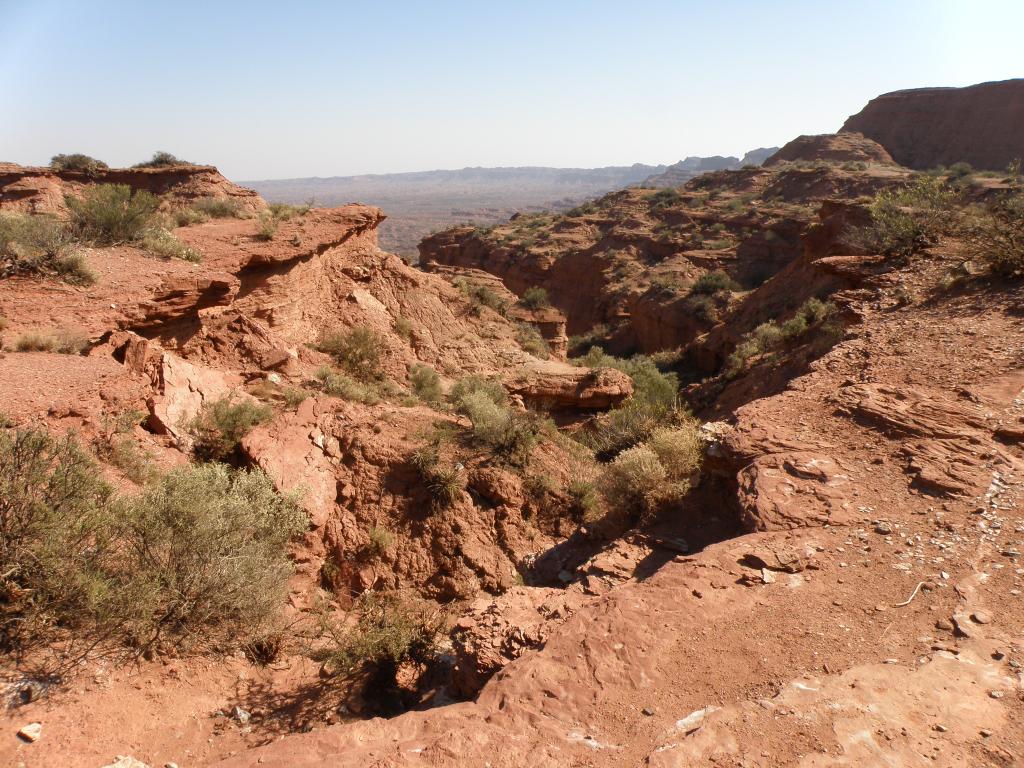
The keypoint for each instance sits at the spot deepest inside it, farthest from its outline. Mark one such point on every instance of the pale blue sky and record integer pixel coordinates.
(280, 89)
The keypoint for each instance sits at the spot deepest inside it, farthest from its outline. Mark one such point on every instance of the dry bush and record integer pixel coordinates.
(41, 245)
(218, 208)
(164, 244)
(909, 219)
(444, 481)
(510, 434)
(535, 297)
(286, 212)
(186, 217)
(218, 428)
(530, 339)
(358, 350)
(426, 384)
(55, 533)
(33, 341)
(266, 226)
(162, 160)
(205, 554)
(338, 384)
(111, 214)
(994, 235)
(77, 162)
(380, 540)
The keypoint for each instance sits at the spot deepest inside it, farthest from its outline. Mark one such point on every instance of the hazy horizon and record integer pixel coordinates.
(265, 91)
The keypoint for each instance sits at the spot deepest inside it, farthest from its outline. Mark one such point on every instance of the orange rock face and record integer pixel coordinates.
(925, 127)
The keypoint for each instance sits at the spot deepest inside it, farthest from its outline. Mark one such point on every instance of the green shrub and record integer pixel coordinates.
(664, 198)
(162, 243)
(218, 428)
(77, 162)
(814, 317)
(712, 282)
(510, 434)
(471, 384)
(643, 478)
(162, 160)
(529, 338)
(340, 385)
(481, 296)
(358, 350)
(55, 532)
(295, 396)
(584, 499)
(205, 554)
(535, 297)
(426, 384)
(908, 219)
(994, 235)
(123, 452)
(110, 214)
(218, 207)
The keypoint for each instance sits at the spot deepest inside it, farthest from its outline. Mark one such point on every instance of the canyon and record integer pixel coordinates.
(838, 581)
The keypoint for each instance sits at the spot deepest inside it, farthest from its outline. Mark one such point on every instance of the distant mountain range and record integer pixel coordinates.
(420, 202)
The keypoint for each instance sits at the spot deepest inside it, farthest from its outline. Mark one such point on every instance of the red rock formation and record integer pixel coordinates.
(925, 127)
(832, 147)
(42, 189)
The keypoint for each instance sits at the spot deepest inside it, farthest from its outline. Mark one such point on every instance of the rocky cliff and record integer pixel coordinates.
(925, 127)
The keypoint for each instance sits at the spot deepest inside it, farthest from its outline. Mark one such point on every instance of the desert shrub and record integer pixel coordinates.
(41, 245)
(109, 214)
(705, 308)
(205, 553)
(338, 384)
(403, 327)
(908, 219)
(33, 341)
(642, 478)
(510, 434)
(220, 425)
(960, 172)
(380, 540)
(55, 531)
(295, 396)
(186, 217)
(712, 282)
(218, 207)
(582, 343)
(481, 295)
(530, 339)
(664, 198)
(357, 350)
(444, 481)
(653, 403)
(286, 212)
(388, 631)
(162, 243)
(584, 498)
(162, 160)
(717, 245)
(266, 226)
(994, 235)
(77, 162)
(814, 318)
(426, 384)
(534, 298)
(115, 446)
(472, 384)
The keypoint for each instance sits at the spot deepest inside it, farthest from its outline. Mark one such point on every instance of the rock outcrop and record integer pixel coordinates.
(835, 148)
(42, 189)
(926, 127)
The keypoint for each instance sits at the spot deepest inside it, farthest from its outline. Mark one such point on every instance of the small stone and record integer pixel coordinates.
(944, 624)
(940, 728)
(995, 694)
(240, 714)
(31, 732)
(883, 528)
(981, 617)
(985, 733)
(648, 711)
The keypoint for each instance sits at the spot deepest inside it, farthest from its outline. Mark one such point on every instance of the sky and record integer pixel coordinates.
(294, 89)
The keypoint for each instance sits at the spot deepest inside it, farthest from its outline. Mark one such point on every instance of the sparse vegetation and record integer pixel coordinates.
(530, 339)
(112, 214)
(509, 433)
(62, 341)
(77, 162)
(358, 350)
(162, 160)
(426, 384)
(205, 554)
(909, 219)
(535, 297)
(813, 321)
(218, 428)
(162, 243)
(218, 207)
(338, 384)
(403, 327)
(994, 234)
(286, 212)
(481, 296)
(266, 226)
(444, 481)
(41, 245)
(380, 540)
